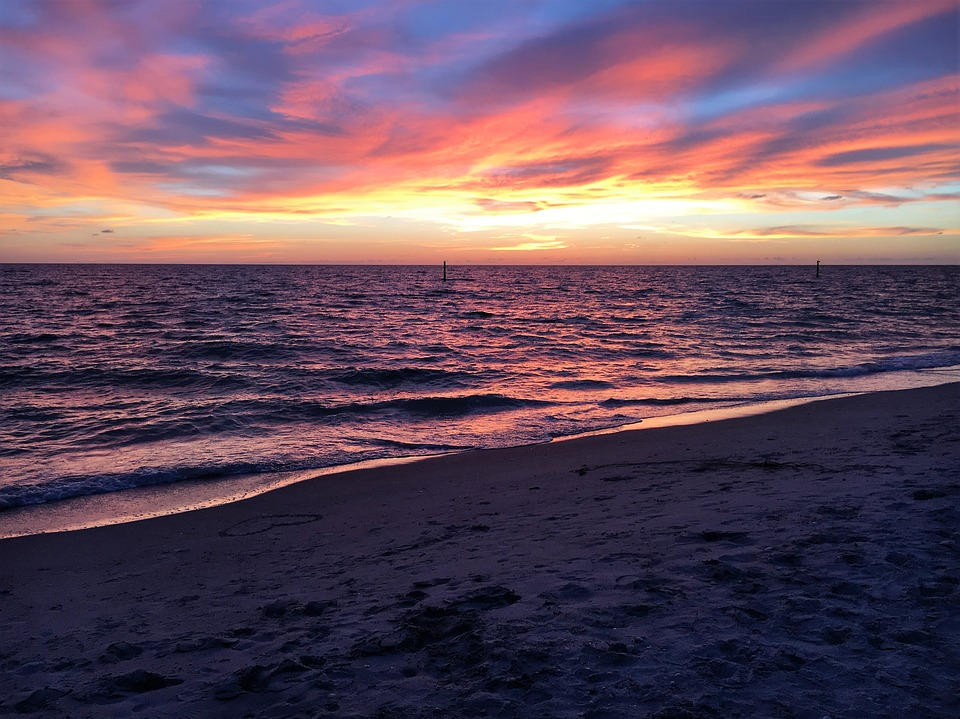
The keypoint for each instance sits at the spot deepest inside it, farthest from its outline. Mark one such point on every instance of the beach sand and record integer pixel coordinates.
(804, 563)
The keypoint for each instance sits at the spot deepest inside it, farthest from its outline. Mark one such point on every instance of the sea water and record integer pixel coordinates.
(114, 377)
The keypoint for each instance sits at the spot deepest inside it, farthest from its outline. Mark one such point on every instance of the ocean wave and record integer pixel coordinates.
(662, 402)
(133, 377)
(70, 487)
(900, 363)
(418, 447)
(34, 337)
(383, 377)
(477, 314)
(268, 411)
(224, 349)
(443, 406)
(240, 417)
(74, 486)
(585, 384)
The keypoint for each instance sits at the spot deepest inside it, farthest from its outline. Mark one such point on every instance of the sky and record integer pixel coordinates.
(480, 131)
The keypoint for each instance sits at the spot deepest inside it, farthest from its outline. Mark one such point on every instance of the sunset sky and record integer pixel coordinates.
(480, 131)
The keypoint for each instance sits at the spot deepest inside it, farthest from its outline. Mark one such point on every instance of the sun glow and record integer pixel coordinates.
(484, 135)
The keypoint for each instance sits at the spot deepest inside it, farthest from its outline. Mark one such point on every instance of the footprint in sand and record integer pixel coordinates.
(258, 525)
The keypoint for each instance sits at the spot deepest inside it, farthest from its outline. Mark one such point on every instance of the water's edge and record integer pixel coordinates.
(154, 501)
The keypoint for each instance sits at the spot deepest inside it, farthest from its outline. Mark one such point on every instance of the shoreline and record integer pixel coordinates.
(164, 499)
(800, 563)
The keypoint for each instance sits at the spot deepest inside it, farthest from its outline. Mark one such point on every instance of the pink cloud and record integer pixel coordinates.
(870, 22)
(286, 111)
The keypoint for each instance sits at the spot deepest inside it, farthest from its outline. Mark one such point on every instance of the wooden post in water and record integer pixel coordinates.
(818, 269)
(444, 270)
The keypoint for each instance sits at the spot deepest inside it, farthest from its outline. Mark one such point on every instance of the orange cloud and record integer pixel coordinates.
(166, 118)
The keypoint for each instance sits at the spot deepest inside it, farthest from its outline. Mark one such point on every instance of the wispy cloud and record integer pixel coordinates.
(533, 244)
(463, 115)
(791, 232)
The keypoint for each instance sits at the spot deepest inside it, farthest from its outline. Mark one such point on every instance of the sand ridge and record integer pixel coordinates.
(804, 563)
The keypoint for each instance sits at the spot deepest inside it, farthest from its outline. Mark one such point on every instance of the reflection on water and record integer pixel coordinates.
(121, 376)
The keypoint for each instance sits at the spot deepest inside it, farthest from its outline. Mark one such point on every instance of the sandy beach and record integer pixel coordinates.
(804, 563)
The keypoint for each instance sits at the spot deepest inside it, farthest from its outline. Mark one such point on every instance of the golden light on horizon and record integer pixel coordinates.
(588, 125)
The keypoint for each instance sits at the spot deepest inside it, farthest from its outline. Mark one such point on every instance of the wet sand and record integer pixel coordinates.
(804, 563)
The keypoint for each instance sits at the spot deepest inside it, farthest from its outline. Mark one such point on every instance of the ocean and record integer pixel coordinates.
(114, 377)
